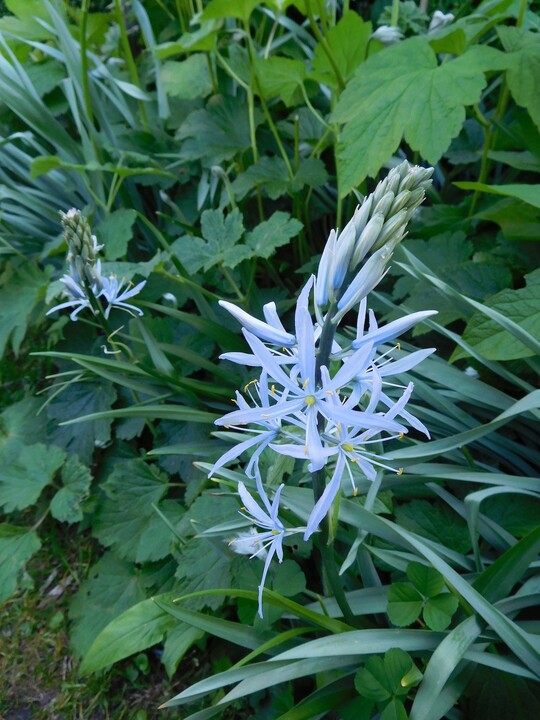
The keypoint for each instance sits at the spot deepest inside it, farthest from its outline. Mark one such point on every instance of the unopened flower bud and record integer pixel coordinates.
(367, 239)
(384, 205)
(390, 228)
(400, 201)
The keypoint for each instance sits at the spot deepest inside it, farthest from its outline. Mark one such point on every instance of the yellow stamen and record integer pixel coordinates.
(400, 471)
(355, 492)
(348, 447)
(398, 346)
(249, 383)
(273, 389)
(306, 383)
(401, 436)
(310, 400)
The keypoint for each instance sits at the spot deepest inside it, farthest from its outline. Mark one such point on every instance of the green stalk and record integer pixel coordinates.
(325, 46)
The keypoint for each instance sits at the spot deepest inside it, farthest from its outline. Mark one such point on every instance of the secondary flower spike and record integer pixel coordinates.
(84, 283)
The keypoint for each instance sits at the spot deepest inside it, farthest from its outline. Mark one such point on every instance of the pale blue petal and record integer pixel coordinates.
(393, 329)
(324, 503)
(406, 363)
(258, 327)
(268, 362)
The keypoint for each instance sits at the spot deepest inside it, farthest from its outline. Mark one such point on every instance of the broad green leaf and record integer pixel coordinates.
(218, 132)
(77, 400)
(22, 286)
(271, 234)
(403, 93)
(404, 604)
(76, 480)
(395, 710)
(382, 678)
(492, 340)
(348, 42)
(426, 580)
(188, 79)
(270, 175)
(136, 629)
(112, 586)
(219, 9)
(219, 244)
(179, 638)
(435, 521)
(17, 545)
(523, 75)
(203, 564)
(281, 77)
(526, 193)
(26, 470)
(438, 611)
(115, 232)
(21, 422)
(126, 520)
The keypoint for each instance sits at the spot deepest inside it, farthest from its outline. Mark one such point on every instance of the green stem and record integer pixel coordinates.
(325, 46)
(233, 284)
(394, 17)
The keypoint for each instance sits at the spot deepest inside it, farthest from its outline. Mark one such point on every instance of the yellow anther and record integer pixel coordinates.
(401, 436)
(273, 389)
(355, 492)
(398, 346)
(328, 392)
(310, 400)
(234, 400)
(266, 416)
(348, 447)
(249, 383)
(306, 383)
(400, 471)
(275, 532)
(306, 451)
(354, 459)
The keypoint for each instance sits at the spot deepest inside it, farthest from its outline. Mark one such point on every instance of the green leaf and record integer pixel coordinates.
(77, 400)
(22, 286)
(115, 232)
(112, 586)
(281, 77)
(220, 244)
(126, 520)
(403, 93)
(438, 611)
(428, 581)
(136, 629)
(289, 580)
(523, 51)
(203, 565)
(437, 522)
(526, 193)
(218, 132)
(404, 604)
(382, 679)
(348, 41)
(180, 637)
(26, 470)
(17, 545)
(395, 710)
(76, 480)
(271, 234)
(188, 79)
(219, 9)
(493, 341)
(516, 220)
(371, 681)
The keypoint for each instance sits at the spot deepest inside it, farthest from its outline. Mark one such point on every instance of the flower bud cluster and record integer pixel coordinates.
(84, 284)
(377, 226)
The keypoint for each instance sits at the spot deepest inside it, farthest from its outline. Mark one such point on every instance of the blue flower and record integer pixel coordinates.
(116, 294)
(271, 540)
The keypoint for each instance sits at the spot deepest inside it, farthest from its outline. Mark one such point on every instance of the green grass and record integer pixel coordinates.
(39, 674)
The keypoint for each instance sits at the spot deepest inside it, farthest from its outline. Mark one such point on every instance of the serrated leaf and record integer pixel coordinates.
(219, 9)
(76, 479)
(403, 93)
(271, 234)
(436, 522)
(348, 41)
(438, 611)
(23, 285)
(203, 565)
(26, 470)
(218, 132)
(219, 245)
(404, 604)
(17, 545)
(77, 400)
(523, 75)
(428, 581)
(126, 520)
(112, 586)
(494, 342)
(269, 173)
(115, 232)
(188, 79)
(136, 629)
(281, 77)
